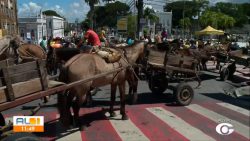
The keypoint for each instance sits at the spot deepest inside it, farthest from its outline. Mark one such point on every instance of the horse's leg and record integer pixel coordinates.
(122, 97)
(64, 103)
(89, 100)
(76, 108)
(135, 86)
(112, 100)
(76, 105)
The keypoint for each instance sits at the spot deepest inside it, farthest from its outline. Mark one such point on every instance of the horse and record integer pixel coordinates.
(30, 52)
(135, 55)
(8, 46)
(88, 65)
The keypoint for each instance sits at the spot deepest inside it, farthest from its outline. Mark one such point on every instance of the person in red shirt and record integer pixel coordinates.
(91, 37)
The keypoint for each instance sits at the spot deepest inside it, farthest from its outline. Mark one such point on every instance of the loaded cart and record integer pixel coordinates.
(27, 82)
(163, 67)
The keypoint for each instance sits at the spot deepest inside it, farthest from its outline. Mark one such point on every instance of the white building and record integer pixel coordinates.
(32, 28)
(55, 26)
(165, 19)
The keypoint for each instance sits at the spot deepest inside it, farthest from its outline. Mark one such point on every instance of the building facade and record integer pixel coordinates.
(33, 28)
(55, 26)
(165, 19)
(8, 17)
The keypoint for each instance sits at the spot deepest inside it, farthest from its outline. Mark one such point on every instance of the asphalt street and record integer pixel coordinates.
(213, 94)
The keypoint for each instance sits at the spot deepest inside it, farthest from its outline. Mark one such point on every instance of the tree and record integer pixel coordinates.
(217, 20)
(132, 20)
(51, 13)
(185, 23)
(107, 15)
(91, 4)
(238, 11)
(149, 14)
(182, 9)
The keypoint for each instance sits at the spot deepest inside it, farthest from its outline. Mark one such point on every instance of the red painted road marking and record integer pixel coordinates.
(203, 123)
(151, 126)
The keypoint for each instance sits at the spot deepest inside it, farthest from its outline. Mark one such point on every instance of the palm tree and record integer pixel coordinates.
(149, 14)
(91, 4)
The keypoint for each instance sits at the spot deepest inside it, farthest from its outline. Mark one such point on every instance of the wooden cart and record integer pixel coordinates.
(163, 67)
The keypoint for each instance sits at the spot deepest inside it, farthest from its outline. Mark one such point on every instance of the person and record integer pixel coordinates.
(43, 43)
(91, 38)
(164, 34)
(129, 40)
(193, 44)
(103, 35)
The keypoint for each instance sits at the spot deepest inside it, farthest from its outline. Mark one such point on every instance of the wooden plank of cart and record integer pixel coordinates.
(163, 67)
(26, 82)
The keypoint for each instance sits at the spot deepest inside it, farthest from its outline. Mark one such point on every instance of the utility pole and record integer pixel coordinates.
(139, 5)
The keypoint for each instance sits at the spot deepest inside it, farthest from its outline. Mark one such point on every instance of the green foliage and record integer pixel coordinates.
(51, 13)
(107, 15)
(132, 22)
(238, 11)
(216, 20)
(185, 23)
(92, 9)
(150, 14)
(181, 9)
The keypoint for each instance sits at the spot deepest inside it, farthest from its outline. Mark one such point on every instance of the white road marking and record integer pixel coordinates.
(179, 124)
(126, 129)
(235, 108)
(238, 127)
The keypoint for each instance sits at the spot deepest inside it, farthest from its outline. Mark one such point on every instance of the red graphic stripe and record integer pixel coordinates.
(99, 128)
(204, 124)
(227, 112)
(151, 126)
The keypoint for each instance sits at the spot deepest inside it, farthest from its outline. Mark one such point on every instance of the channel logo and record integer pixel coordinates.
(28, 124)
(224, 128)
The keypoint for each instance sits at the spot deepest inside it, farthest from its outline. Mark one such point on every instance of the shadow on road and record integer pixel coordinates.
(228, 99)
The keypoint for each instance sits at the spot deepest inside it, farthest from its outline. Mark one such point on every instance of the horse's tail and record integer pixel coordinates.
(62, 100)
(63, 77)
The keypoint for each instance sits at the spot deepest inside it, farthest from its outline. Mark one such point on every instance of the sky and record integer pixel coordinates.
(72, 9)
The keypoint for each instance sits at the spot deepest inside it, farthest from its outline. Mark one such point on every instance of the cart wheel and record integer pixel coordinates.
(184, 94)
(224, 74)
(2, 121)
(158, 84)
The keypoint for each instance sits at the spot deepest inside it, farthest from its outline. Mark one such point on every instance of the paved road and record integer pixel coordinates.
(155, 117)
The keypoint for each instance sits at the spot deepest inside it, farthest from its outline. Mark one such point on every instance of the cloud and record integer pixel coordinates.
(75, 5)
(31, 8)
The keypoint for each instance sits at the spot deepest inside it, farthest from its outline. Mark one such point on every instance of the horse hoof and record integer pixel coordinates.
(112, 114)
(124, 117)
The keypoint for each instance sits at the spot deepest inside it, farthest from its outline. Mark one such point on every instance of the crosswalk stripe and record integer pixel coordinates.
(69, 134)
(240, 128)
(179, 125)
(126, 129)
(235, 108)
(72, 136)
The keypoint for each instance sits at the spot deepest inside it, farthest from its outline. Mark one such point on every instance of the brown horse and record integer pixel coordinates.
(29, 52)
(8, 47)
(88, 65)
(135, 55)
